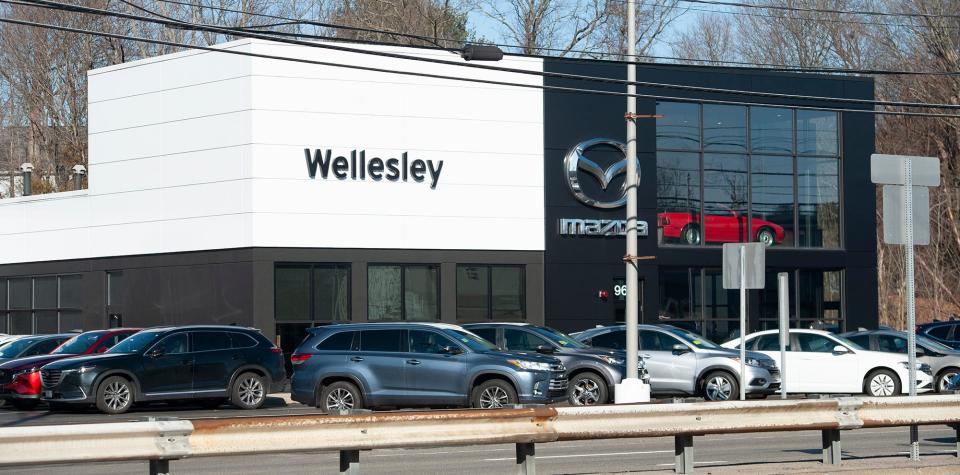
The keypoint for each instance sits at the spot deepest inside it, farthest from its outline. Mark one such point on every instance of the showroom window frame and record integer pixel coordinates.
(749, 153)
(312, 311)
(7, 313)
(489, 294)
(403, 290)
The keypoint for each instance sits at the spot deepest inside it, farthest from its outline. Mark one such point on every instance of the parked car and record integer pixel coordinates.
(947, 332)
(31, 345)
(683, 362)
(720, 226)
(821, 362)
(954, 384)
(205, 363)
(591, 372)
(20, 378)
(943, 360)
(353, 366)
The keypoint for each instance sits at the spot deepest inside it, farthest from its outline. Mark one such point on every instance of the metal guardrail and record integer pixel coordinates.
(161, 441)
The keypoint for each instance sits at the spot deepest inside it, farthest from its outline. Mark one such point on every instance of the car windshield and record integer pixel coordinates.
(16, 347)
(137, 342)
(559, 338)
(848, 342)
(934, 345)
(78, 344)
(472, 341)
(692, 338)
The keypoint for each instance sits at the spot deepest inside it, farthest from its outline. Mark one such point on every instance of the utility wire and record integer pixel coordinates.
(247, 34)
(747, 64)
(821, 10)
(457, 78)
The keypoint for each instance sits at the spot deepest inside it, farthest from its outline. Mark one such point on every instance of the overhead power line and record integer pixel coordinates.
(434, 40)
(561, 89)
(703, 89)
(822, 10)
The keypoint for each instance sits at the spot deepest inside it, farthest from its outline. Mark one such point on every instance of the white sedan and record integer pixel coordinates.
(821, 362)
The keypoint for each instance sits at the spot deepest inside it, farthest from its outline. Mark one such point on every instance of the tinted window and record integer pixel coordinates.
(941, 332)
(514, 339)
(210, 341)
(891, 344)
(44, 347)
(862, 340)
(79, 343)
(242, 340)
(768, 342)
(680, 126)
(472, 288)
(173, 344)
(342, 341)
(724, 128)
(381, 340)
(384, 298)
(771, 129)
(489, 334)
(423, 341)
(472, 341)
(817, 132)
(656, 341)
(71, 291)
(136, 342)
(507, 292)
(815, 343)
(45, 292)
(421, 296)
(616, 339)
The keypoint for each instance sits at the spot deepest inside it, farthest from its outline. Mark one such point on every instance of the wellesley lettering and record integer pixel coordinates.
(359, 167)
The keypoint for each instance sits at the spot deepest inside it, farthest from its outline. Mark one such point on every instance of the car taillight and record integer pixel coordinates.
(299, 358)
(276, 350)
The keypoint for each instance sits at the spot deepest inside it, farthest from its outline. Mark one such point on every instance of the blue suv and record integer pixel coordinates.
(353, 366)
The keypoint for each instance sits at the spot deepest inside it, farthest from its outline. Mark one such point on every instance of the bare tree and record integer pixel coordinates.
(545, 26)
(711, 38)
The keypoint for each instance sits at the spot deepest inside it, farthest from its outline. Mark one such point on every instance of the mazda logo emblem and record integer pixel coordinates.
(575, 161)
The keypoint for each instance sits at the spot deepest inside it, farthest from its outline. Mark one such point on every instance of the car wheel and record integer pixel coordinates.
(493, 394)
(248, 391)
(115, 395)
(720, 386)
(766, 237)
(587, 389)
(340, 396)
(25, 404)
(881, 383)
(944, 378)
(211, 403)
(691, 234)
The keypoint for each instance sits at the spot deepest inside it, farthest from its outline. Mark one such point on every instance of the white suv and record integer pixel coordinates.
(821, 362)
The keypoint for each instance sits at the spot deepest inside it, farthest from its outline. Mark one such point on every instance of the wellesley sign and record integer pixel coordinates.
(359, 167)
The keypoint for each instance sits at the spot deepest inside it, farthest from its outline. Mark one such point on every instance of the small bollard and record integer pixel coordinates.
(915, 443)
(526, 459)
(350, 462)
(159, 467)
(683, 454)
(831, 447)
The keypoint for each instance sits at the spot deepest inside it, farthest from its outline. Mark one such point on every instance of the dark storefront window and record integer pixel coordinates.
(45, 304)
(763, 174)
(815, 300)
(403, 292)
(491, 292)
(312, 292)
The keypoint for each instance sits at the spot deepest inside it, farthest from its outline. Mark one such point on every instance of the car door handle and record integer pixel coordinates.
(413, 362)
(356, 359)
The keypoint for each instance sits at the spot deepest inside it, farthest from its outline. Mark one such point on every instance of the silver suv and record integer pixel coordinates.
(683, 362)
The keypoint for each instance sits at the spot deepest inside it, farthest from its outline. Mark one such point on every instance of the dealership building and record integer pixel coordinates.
(238, 189)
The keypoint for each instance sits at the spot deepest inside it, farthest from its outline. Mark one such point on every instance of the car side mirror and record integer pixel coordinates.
(679, 349)
(840, 349)
(451, 350)
(155, 353)
(545, 350)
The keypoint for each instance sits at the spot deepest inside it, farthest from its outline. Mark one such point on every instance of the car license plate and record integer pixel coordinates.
(48, 394)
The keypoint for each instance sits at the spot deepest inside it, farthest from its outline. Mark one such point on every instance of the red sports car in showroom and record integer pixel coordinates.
(726, 227)
(20, 378)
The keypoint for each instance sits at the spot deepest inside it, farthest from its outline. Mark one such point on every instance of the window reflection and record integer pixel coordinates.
(724, 128)
(725, 198)
(771, 130)
(678, 197)
(816, 132)
(679, 129)
(772, 199)
(818, 193)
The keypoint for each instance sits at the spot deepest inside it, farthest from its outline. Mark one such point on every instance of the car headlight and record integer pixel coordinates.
(530, 365)
(612, 360)
(24, 371)
(80, 370)
(751, 361)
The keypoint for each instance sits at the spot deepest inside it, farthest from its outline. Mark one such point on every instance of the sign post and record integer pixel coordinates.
(905, 181)
(783, 306)
(743, 268)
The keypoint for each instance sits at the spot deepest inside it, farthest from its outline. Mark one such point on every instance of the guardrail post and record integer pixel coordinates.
(683, 454)
(957, 428)
(831, 447)
(350, 462)
(159, 467)
(526, 459)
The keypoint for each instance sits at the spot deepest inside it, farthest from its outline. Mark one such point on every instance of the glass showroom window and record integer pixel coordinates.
(815, 300)
(491, 292)
(47, 304)
(695, 299)
(763, 174)
(403, 292)
(312, 292)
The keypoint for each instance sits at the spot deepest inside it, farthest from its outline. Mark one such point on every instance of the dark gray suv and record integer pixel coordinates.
(353, 366)
(592, 372)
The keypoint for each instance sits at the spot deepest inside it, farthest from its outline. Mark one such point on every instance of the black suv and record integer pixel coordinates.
(209, 364)
(947, 332)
